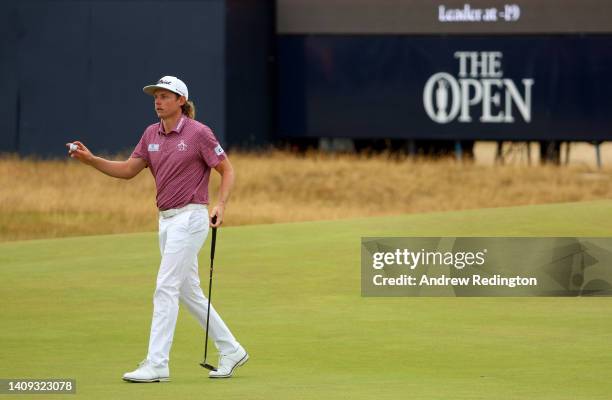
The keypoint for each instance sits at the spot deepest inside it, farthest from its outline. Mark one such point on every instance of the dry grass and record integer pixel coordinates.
(60, 198)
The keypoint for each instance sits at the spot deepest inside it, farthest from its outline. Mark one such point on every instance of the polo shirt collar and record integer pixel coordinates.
(178, 128)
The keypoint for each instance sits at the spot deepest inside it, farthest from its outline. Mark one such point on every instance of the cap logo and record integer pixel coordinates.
(164, 82)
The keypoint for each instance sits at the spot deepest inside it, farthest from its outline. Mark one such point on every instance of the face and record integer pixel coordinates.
(167, 103)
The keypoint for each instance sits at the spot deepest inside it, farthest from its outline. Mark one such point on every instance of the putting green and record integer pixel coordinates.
(81, 308)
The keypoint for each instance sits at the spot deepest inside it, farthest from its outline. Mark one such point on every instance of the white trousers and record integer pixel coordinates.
(180, 240)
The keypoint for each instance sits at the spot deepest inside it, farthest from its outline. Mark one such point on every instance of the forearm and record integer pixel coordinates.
(225, 169)
(227, 182)
(116, 169)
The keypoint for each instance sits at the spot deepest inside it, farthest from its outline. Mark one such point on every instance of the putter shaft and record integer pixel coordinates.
(204, 364)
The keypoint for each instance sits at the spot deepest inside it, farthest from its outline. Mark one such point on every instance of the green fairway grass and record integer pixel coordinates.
(81, 308)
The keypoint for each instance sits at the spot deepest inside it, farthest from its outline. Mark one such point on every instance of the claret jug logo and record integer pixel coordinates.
(480, 92)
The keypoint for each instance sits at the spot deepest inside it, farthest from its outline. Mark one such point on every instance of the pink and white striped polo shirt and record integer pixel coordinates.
(180, 161)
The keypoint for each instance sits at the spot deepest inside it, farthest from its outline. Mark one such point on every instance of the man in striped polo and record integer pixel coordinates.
(180, 153)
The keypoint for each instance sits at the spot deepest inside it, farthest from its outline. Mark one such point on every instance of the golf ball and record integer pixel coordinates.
(73, 147)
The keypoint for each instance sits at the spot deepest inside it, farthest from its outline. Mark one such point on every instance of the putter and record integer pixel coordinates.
(212, 258)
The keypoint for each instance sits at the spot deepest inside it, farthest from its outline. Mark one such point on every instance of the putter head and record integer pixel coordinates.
(208, 366)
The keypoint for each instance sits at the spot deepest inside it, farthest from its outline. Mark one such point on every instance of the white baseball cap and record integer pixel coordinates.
(171, 83)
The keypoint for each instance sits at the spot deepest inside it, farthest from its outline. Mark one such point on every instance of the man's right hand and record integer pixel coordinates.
(82, 153)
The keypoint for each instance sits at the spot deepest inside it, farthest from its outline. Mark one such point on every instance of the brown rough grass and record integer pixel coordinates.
(41, 199)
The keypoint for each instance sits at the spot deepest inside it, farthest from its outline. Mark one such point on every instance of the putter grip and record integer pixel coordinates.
(214, 238)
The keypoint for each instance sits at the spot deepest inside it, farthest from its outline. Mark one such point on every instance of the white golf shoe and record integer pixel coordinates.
(229, 362)
(147, 373)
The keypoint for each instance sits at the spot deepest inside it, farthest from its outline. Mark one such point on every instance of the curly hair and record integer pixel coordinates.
(189, 109)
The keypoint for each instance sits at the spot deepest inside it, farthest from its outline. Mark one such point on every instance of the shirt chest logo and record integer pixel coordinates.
(182, 146)
(153, 147)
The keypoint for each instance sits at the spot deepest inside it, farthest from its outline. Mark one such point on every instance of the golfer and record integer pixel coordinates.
(180, 152)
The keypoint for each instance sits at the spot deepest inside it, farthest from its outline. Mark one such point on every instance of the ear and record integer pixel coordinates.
(182, 100)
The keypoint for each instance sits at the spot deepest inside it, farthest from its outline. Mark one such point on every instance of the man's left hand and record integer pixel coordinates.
(218, 211)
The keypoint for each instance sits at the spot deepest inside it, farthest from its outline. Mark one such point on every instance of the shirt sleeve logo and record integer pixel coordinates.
(219, 150)
(153, 147)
